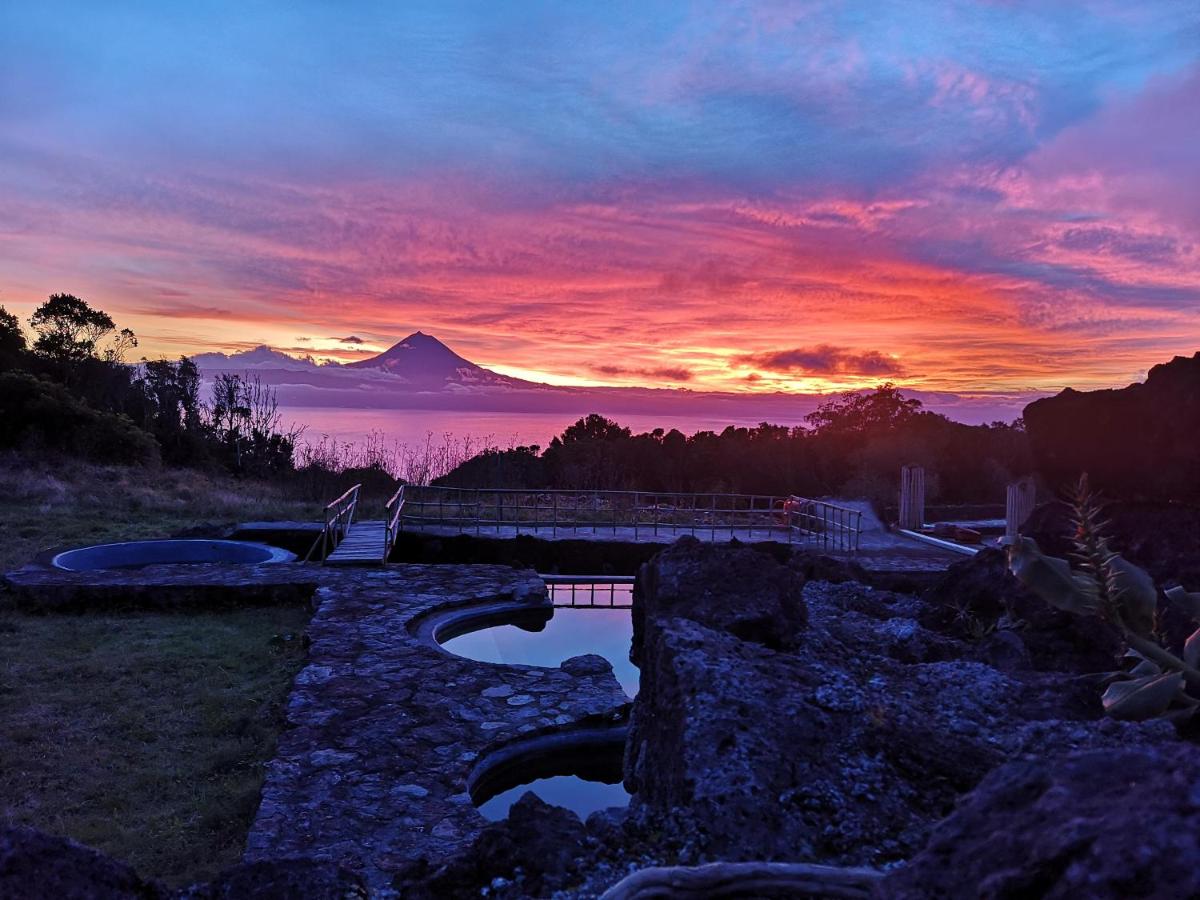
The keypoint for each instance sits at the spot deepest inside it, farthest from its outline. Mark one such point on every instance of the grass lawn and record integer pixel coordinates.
(144, 734)
(141, 734)
(84, 504)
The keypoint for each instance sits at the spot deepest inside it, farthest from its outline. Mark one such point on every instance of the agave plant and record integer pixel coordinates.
(1108, 586)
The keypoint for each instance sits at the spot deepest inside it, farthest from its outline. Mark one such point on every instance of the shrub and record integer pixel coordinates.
(1109, 587)
(36, 414)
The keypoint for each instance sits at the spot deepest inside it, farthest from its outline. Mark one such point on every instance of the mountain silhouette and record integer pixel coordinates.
(422, 360)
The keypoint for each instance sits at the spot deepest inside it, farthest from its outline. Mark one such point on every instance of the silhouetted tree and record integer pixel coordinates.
(68, 328)
(884, 407)
(12, 339)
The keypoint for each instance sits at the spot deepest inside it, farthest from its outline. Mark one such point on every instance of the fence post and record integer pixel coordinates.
(1018, 505)
(912, 497)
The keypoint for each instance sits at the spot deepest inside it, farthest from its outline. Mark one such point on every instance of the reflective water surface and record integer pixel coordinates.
(577, 794)
(570, 632)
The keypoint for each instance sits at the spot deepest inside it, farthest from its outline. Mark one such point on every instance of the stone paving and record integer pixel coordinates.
(384, 727)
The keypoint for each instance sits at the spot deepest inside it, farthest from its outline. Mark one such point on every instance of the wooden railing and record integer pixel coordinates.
(339, 517)
(590, 591)
(633, 514)
(393, 510)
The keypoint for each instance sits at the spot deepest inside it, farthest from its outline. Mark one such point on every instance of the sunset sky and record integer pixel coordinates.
(971, 197)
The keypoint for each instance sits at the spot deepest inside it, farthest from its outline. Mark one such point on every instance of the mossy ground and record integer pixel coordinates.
(143, 735)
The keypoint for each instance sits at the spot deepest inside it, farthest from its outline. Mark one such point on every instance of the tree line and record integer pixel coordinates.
(72, 391)
(852, 446)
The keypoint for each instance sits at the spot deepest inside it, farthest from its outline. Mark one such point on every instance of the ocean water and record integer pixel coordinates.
(413, 427)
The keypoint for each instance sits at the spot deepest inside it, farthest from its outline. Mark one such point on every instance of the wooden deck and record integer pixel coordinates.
(362, 546)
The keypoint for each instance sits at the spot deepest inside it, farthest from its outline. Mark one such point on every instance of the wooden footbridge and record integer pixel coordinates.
(628, 516)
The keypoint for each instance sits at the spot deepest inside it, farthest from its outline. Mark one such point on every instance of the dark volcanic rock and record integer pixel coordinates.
(35, 865)
(748, 595)
(281, 879)
(845, 748)
(1137, 443)
(1111, 824)
(818, 567)
(587, 664)
(521, 856)
(979, 591)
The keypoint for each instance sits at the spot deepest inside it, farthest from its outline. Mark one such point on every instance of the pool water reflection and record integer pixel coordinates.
(569, 632)
(581, 796)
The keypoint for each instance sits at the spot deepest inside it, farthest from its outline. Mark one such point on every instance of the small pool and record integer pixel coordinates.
(581, 771)
(541, 641)
(139, 554)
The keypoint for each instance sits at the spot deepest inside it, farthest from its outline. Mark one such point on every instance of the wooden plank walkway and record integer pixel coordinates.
(362, 545)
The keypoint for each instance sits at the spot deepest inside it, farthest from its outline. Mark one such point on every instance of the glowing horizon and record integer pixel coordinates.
(972, 198)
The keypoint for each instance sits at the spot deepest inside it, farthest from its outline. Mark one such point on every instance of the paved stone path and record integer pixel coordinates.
(384, 728)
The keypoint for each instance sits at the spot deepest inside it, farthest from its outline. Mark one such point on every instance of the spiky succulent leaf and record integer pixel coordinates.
(1145, 668)
(1142, 698)
(1188, 604)
(1191, 649)
(1051, 578)
(1135, 594)
(1141, 666)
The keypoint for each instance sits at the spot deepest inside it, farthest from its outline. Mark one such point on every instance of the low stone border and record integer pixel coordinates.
(38, 588)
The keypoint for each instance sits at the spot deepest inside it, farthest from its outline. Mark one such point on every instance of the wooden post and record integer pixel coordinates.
(912, 497)
(1018, 505)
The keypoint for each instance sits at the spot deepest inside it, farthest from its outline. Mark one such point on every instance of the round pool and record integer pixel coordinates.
(546, 637)
(580, 769)
(139, 554)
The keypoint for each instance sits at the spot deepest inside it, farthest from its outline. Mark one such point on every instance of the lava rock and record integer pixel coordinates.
(747, 594)
(525, 855)
(34, 864)
(1136, 443)
(844, 748)
(818, 567)
(1108, 824)
(281, 879)
(587, 664)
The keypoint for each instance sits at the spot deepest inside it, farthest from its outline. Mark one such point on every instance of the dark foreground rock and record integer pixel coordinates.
(1112, 824)
(524, 855)
(38, 865)
(845, 746)
(281, 879)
